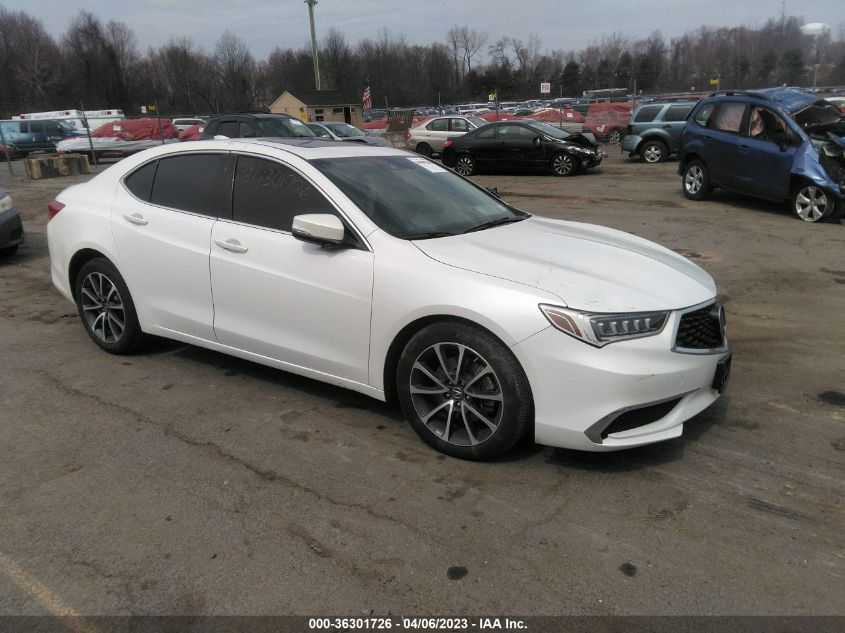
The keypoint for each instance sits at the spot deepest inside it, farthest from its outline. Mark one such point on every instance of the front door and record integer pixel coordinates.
(282, 298)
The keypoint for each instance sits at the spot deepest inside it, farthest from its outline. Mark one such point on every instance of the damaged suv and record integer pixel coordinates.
(779, 144)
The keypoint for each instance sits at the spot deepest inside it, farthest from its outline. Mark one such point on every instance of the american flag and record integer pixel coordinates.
(367, 99)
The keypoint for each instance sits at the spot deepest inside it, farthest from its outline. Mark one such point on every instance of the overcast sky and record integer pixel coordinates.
(566, 24)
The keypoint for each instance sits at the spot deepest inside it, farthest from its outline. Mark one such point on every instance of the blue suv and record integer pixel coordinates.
(779, 144)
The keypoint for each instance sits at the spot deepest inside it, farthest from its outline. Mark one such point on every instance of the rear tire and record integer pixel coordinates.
(425, 150)
(654, 152)
(9, 250)
(106, 307)
(696, 181)
(463, 391)
(615, 137)
(813, 204)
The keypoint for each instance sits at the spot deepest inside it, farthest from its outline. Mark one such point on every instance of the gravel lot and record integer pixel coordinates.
(182, 481)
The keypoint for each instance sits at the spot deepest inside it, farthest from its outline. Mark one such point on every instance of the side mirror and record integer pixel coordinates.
(536, 141)
(324, 229)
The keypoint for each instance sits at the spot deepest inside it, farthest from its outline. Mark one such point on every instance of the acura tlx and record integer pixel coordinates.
(381, 271)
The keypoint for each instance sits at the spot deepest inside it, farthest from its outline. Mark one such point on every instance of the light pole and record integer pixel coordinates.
(816, 30)
(311, 4)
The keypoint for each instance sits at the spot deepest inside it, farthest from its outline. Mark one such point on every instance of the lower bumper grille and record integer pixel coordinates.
(640, 417)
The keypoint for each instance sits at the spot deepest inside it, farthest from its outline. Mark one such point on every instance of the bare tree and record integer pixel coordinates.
(471, 42)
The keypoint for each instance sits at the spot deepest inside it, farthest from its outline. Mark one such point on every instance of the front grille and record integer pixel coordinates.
(700, 329)
(640, 417)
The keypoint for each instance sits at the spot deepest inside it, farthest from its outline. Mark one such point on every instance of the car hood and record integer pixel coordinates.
(588, 267)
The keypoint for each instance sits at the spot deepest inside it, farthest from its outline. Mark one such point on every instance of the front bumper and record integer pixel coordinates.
(630, 143)
(11, 229)
(579, 390)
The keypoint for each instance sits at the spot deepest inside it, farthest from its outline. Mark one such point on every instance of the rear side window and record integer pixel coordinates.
(728, 117)
(269, 194)
(193, 183)
(35, 126)
(489, 132)
(245, 131)
(647, 114)
(438, 125)
(140, 181)
(228, 128)
(702, 115)
(677, 113)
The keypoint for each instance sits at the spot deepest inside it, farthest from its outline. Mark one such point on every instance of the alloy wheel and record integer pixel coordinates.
(464, 165)
(102, 308)
(563, 164)
(653, 154)
(811, 204)
(694, 179)
(615, 137)
(456, 394)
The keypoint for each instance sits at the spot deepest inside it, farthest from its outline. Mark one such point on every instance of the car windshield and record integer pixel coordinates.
(411, 197)
(283, 127)
(344, 130)
(550, 130)
(477, 121)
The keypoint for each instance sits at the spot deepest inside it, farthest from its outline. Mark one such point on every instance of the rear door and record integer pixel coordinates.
(435, 133)
(162, 218)
(673, 121)
(485, 149)
(282, 298)
(726, 150)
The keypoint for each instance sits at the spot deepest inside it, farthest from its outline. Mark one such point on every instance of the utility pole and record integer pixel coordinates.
(311, 4)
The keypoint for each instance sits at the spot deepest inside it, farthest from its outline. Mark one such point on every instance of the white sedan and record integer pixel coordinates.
(379, 270)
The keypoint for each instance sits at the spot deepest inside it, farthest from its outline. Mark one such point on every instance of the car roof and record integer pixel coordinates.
(253, 115)
(317, 148)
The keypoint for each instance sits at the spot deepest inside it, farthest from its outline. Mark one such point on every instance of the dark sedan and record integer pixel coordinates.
(521, 146)
(11, 230)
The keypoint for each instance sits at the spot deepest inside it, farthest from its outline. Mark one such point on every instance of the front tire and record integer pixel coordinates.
(564, 164)
(696, 181)
(813, 204)
(463, 391)
(465, 165)
(106, 307)
(9, 250)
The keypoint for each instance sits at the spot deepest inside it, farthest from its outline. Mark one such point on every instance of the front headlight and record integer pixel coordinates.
(600, 329)
(5, 203)
(584, 150)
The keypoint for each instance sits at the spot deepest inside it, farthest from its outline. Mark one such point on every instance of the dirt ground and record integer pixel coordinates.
(182, 481)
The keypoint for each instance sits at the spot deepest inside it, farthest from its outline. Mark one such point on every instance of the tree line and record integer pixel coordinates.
(99, 64)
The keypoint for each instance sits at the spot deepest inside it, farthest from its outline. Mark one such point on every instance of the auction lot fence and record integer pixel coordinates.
(370, 622)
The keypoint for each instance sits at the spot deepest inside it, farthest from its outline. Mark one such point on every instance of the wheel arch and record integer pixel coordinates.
(79, 259)
(400, 340)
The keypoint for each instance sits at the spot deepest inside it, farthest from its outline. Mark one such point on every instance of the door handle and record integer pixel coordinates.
(231, 245)
(136, 218)
(744, 148)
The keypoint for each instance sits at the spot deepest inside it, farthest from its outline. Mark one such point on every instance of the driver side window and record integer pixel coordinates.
(269, 194)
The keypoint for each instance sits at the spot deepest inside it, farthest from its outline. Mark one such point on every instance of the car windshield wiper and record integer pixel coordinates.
(496, 222)
(426, 235)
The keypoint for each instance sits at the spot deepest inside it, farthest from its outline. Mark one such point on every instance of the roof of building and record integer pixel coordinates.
(321, 97)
